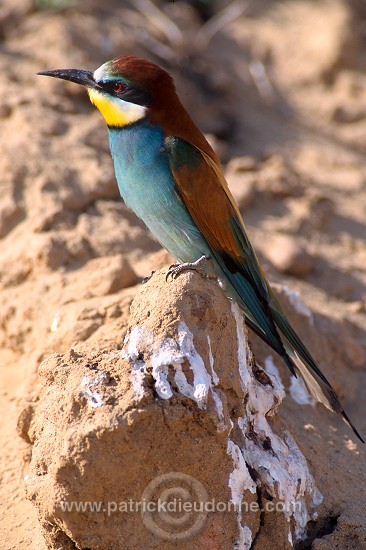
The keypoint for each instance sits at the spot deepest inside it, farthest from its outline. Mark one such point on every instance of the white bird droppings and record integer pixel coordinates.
(242, 346)
(279, 464)
(272, 371)
(171, 354)
(88, 385)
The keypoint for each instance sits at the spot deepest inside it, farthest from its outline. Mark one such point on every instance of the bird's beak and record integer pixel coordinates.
(85, 78)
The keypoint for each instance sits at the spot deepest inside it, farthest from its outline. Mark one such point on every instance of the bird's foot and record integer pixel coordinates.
(177, 269)
(146, 279)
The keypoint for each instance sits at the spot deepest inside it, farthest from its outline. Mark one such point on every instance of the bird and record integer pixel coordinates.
(170, 176)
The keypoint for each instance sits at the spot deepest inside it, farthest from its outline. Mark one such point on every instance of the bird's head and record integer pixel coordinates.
(125, 90)
(129, 89)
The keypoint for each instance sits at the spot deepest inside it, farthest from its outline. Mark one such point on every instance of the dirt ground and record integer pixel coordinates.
(279, 87)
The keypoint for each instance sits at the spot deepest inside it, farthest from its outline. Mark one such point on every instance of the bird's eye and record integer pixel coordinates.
(118, 87)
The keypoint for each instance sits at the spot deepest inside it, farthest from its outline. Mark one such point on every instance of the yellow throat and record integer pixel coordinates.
(115, 111)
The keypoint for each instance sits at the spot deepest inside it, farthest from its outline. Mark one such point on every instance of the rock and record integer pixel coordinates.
(106, 275)
(288, 256)
(346, 533)
(174, 417)
(10, 214)
(358, 306)
(51, 250)
(348, 115)
(277, 178)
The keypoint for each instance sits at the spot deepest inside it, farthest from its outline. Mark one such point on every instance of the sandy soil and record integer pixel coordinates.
(281, 91)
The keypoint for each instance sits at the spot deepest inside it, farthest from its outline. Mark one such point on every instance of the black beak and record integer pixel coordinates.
(85, 78)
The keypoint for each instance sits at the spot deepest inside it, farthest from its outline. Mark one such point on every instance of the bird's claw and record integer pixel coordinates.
(174, 271)
(177, 269)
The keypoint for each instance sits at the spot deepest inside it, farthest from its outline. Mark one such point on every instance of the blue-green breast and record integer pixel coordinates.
(147, 186)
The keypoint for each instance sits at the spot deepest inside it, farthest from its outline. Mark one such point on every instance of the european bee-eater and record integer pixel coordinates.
(170, 176)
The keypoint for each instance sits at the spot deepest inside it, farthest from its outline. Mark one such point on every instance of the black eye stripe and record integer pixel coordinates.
(109, 86)
(127, 93)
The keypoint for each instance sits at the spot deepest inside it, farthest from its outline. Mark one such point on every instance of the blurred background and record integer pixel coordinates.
(279, 89)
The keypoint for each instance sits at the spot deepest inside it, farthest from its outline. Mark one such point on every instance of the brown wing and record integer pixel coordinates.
(205, 193)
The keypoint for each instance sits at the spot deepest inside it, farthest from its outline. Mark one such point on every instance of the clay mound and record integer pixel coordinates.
(181, 413)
